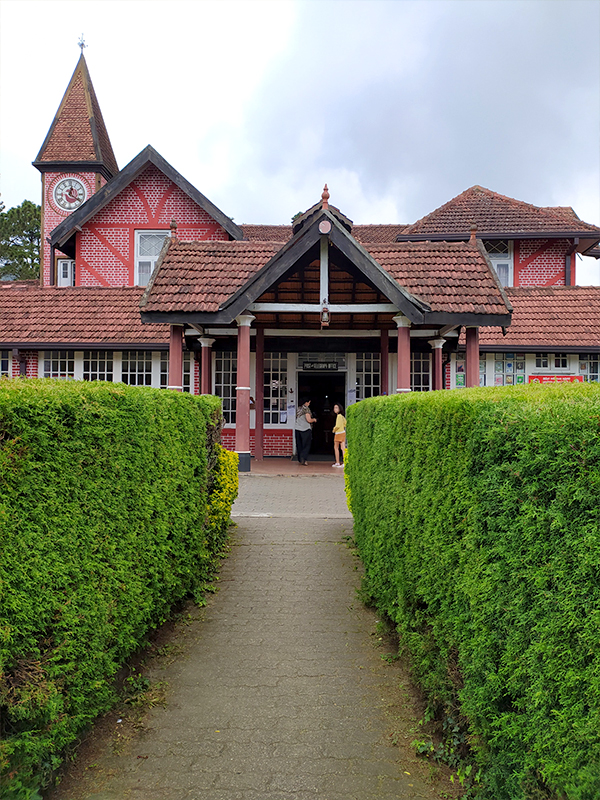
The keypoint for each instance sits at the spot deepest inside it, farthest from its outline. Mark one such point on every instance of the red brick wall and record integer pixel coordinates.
(32, 363)
(53, 215)
(276, 442)
(105, 248)
(540, 262)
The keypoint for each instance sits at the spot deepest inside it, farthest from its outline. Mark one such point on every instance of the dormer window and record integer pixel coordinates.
(501, 255)
(65, 272)
(148, 245)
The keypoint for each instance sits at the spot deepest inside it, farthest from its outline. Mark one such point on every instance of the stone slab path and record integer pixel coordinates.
(280, 691)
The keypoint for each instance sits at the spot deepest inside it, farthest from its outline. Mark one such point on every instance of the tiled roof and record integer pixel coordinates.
(109, 316)
(78, 132)
(549, 317)
(267, 233)
(199, 276)
(451, 276)
(495, 214)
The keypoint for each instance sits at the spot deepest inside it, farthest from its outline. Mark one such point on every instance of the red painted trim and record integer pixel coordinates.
(101, 280)
(258, 403)
(516, 262)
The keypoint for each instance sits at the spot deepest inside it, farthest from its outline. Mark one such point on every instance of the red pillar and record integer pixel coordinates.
(385, 361)
(242, 392)
(176, 358)
(403, 379)
(472, 350)
(438, 377)
(206, 366)
(259, 417)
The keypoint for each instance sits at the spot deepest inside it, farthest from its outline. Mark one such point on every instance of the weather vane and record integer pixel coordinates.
(82, 44)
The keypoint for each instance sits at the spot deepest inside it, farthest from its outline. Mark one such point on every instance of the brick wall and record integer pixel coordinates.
(53, 215)
(31, 357)
(276, 442)
(540, 262)
(105, 248)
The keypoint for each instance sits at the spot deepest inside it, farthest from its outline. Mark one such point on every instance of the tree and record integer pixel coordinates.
(20, 235)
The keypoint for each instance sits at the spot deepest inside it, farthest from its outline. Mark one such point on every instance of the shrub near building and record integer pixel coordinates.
(114, 504)
(477, 515)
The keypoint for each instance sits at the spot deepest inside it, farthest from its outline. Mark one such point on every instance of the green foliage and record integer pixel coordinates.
(477, 515)
(20, 237)
(109, 514)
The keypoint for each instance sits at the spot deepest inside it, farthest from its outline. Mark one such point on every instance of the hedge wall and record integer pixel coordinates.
(477, 515)
(114, 504)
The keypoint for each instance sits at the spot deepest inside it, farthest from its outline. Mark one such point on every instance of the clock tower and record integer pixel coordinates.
(75, 160)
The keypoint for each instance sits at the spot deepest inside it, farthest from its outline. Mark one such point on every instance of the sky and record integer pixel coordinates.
(398, 105)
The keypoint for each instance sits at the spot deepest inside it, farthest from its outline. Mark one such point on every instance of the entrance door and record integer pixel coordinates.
(323, 390)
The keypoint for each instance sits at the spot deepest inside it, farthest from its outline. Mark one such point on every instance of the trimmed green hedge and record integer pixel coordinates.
(477, 515)
(114, 504)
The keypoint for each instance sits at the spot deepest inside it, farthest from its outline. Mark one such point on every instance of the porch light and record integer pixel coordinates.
(324, 317)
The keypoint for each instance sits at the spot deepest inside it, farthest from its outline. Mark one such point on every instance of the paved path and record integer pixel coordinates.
(280, 692)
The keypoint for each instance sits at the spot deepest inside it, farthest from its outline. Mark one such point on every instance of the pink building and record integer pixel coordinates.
(145, 281)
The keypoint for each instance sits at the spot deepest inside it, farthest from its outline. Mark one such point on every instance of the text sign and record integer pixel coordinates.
(309, 366)
(556, 379)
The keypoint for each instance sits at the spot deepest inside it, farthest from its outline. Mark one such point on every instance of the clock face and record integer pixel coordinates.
(69, 194)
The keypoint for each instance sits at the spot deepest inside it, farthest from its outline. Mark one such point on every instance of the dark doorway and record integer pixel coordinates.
(323, 390)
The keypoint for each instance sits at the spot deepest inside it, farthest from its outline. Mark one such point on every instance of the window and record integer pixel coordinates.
(136, 367)
(368, 375)
(551, 361)
(187, 371)
(275, 389)
(59, 364)
(4, 364)
(509, 369)
(225, 382)
(589, 367)
(482, 369)
(148, 245)
(97, 365)
(419, 372)
(500, 254)
(65, 272)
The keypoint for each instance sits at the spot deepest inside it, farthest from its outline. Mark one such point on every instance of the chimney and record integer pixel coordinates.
(473, 238)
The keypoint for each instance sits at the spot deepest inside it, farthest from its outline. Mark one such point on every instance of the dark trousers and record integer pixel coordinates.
(303, 442)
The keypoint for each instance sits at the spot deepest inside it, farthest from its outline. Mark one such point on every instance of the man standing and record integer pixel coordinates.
(304, 422)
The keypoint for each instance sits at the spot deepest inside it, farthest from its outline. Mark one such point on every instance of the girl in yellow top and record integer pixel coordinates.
(339, 435)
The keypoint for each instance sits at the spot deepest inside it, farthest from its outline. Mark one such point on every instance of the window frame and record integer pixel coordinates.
(60, 279)
(138, 257)
(499, 258)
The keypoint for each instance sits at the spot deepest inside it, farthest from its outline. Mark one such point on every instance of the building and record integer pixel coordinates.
(144, 280)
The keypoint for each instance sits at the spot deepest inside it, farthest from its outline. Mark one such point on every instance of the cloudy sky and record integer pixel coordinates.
(398, 105)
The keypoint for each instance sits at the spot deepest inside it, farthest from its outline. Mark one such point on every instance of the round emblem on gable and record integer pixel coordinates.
(69, 194)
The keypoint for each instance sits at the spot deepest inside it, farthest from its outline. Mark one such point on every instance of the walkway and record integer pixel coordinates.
(280, 691)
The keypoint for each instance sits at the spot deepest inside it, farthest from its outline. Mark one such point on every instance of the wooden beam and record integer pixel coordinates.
(314, 308)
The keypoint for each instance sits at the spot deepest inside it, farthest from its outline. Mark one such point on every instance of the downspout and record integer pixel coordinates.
(569, 273)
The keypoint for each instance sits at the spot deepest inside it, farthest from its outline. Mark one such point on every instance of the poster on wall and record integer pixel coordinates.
(556, 379)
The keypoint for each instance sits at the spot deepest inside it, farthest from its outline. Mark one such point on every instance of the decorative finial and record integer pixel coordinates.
(81, 43)
(325, 197)
(173, 229)
(473, 237)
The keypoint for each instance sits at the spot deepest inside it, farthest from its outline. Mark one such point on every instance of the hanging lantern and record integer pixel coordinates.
(324, 317)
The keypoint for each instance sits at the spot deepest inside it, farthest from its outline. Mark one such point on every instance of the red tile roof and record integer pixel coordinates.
(200, 276)
(78, 132)
(267, 233)
(450, 276)
(549, 317)
(495, 214)
(30, 315)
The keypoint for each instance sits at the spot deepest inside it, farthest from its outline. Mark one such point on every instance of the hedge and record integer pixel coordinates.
(114, 505)
(477, 515)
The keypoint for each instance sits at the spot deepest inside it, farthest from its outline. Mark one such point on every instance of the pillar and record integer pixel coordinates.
(242, 392)
(385, 361)
(438, 371)
(259, 417)
(472, 351)
(176, 358)
(206, 365)
(403, 379)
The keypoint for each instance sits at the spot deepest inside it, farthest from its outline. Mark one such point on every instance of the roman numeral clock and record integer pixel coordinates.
(69, 194)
